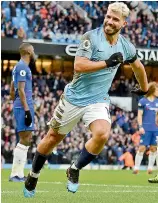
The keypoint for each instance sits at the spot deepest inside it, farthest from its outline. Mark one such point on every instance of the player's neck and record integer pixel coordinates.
(25, 59)
(151, 98)
(112, 39)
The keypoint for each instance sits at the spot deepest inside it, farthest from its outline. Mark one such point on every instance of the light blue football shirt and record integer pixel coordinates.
(91, 88)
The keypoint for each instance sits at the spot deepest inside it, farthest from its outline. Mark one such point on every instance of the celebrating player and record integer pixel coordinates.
(98, 57)
(21, 94)
(147, 110)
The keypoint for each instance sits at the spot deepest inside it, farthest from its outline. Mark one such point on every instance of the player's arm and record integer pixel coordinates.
(84, 65)
(21, 91)
(140, 74)
(156, 118)
(83, 62)
(12, 93)
(140, 121)
(28, 117)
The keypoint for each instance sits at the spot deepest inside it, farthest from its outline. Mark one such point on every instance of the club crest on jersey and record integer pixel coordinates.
(23, 73)
(156, 104)
(86, 44)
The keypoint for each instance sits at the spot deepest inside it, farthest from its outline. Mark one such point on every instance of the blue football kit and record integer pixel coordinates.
(150, 108)
(22, 73)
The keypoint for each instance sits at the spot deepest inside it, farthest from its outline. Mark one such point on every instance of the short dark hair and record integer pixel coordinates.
(23, 49)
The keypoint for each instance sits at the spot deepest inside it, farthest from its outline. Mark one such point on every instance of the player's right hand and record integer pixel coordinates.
(114, 60)
(141, 131)
(28, 118)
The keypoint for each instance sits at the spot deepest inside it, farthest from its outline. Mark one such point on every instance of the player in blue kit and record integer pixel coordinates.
(21, 94)
(155, 179)
(98, 57)
(147, 111)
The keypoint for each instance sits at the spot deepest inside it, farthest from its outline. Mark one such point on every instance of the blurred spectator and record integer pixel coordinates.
(136, 138)
(128, 159)
(21, 33)
(49, 21)
(12, 9)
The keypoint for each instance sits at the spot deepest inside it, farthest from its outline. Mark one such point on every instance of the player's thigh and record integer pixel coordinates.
(145, 139)
(154, 139)
(19, 115)
(97, 118)
(65, 116)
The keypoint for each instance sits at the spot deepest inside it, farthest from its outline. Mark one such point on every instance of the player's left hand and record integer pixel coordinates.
(28, 118)
(137, 90)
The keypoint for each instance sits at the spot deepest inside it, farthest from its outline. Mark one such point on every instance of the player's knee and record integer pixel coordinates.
(25, 138)
(153, 148)
(54, 137)
(142, 149)
(25, 141)
(102, 136)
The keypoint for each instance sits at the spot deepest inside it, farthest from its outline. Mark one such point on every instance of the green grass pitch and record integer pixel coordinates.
(95, 187)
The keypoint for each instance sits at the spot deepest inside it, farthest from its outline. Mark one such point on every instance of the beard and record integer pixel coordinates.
(32, 62)
(113, 31)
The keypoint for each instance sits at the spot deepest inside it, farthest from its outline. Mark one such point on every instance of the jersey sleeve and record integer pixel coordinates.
(131, 54)
(141, 104)
(86, 46)
(21, 73)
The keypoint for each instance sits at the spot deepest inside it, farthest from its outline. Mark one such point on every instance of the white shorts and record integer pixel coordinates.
(67, 115)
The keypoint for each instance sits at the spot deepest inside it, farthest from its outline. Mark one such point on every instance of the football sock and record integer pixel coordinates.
(19, 160)
(152, 158)
(38, 162)
(138, 160)
(84, 159)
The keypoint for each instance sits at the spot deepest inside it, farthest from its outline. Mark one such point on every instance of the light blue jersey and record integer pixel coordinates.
(91, 88)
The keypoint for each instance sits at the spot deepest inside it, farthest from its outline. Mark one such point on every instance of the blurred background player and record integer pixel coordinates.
(155, 179)
(127, 157)
(147, 110)
(21, 94)
(87, 96)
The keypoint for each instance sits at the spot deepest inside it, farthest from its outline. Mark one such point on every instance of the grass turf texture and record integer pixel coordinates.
(95, 187)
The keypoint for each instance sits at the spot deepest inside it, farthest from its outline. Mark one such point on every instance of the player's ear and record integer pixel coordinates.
(29, 53)
(125, 23)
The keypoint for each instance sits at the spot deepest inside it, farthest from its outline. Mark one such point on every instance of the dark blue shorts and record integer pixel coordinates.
(19, 115)
(149, 138)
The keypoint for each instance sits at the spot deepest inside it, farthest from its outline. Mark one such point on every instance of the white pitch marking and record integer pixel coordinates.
(101, 185)
(97, 185)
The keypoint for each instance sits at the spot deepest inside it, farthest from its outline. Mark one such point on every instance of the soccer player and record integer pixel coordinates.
(21, 94)
(155, 179)
(147, 110)
(98, 57)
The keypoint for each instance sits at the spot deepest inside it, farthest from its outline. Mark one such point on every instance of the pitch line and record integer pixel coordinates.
(98, 185)
(101, 185)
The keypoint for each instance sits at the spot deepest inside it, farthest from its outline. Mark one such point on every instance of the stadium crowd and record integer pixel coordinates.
(50, 21)
(47, 91)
